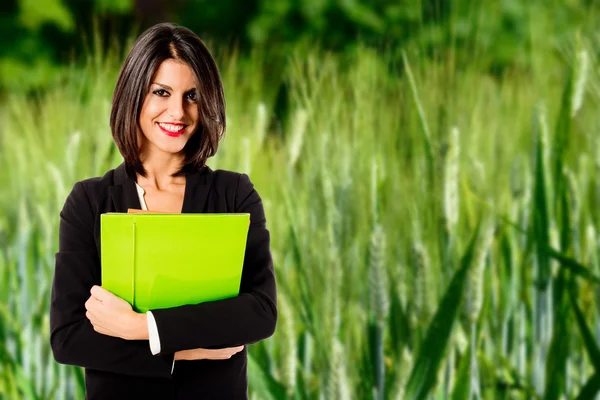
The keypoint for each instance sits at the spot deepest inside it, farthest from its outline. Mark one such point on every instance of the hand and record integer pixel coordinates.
(111, 315)
(208, 354)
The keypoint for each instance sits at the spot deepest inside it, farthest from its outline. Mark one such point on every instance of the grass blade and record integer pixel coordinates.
(558, 352)
(586, 334)
(573, 265)
(425, 370)
(425, 133)
(590, 389)
(262, 383)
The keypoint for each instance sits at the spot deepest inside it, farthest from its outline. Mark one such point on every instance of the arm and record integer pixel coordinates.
(245, 319)
(72, 336)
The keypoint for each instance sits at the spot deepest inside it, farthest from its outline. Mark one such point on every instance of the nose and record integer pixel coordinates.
(176, 110)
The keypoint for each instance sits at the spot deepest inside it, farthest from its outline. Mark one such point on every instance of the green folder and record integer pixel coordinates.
(158, 261)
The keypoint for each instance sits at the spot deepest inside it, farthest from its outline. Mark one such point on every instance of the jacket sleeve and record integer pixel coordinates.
(245, 319)
(72, 336)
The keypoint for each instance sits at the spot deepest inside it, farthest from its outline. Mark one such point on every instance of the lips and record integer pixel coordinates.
(171, 133)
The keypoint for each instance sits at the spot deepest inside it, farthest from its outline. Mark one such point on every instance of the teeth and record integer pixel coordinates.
(171, 127)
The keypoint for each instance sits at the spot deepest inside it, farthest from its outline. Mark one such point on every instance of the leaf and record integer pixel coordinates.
(365, 368)
(301, 391)
(562, 132)
(260, 354)
(262, 383)
(588, 338)
(463, 377)
(25, 385)
(425, 133)
(573, 265)
(363, 15)
(35, 13)
(540, 212)
(590, 389)
(425, 370)
(517, 382)
(113, 6)
(79, 378)
(398, 324)
(556, 363)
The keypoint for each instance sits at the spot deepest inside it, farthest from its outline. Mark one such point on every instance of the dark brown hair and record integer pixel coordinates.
(161, 42)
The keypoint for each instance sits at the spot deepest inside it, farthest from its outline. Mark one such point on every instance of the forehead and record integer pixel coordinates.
(175, 74)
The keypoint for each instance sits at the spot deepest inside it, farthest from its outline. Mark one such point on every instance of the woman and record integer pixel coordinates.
(168, 115)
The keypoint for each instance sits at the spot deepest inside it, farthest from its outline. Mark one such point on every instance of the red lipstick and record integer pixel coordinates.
(172, 134)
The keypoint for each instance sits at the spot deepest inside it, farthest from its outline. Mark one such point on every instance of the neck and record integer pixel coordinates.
(159, 167)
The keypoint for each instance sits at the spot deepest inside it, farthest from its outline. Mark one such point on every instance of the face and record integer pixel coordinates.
(169, 114)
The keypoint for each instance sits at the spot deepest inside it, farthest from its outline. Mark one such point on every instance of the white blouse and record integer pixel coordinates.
(152, 328)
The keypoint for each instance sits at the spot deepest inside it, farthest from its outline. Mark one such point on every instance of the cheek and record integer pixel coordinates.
(150, 111)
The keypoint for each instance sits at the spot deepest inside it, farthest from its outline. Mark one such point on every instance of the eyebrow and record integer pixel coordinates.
(170, 88)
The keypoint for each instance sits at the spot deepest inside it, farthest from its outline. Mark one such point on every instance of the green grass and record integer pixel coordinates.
(374, 186)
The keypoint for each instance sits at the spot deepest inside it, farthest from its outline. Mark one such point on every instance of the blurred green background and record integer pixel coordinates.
(429, 170)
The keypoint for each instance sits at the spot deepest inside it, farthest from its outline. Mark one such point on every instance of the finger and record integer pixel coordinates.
(92, 303)
(221, 357)
(102, 330)
(98, 292)
(105, 331)
(92, 318)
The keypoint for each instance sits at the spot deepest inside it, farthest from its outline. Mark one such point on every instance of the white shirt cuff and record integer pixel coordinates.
(154, 338)
(153, 333)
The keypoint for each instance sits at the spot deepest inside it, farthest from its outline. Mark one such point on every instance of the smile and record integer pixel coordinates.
(172, 130)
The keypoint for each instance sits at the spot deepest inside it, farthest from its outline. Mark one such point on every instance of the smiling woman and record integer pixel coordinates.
(169, 77)
(167, 118)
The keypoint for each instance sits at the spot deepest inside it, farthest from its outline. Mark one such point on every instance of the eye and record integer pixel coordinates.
(156, 92)
(192, 96)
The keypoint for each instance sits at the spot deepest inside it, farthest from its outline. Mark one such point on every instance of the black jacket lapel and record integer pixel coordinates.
(197, 186)
(124, 194)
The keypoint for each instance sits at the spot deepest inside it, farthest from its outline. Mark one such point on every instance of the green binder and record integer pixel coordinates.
(158, 261)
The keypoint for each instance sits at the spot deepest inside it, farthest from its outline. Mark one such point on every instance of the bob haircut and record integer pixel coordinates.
(161, 42)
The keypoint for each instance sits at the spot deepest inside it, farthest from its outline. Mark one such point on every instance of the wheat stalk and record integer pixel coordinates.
(451, 172)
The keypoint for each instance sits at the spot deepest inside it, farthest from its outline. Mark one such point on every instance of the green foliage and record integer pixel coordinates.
(351, 171)
(34, 14)
(39, 36)
(424, 373)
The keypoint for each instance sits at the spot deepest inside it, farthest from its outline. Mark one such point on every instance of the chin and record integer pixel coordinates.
(174, 147)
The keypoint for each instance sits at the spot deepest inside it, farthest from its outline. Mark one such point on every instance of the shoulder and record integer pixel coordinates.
(225, 177)
(237, 185)
(94, 187)
(89, 192)
(232, 180)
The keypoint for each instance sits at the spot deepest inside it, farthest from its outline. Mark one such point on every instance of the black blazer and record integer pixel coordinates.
(120, 369)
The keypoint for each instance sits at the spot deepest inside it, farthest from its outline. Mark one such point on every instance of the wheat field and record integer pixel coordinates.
(435, 229)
